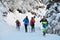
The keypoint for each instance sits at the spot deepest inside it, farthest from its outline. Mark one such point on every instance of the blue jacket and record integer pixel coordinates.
(26, 21)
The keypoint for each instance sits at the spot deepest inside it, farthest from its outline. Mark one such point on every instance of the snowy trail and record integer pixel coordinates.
(6, 33)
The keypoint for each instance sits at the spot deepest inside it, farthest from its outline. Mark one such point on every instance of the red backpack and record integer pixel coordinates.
(32, 21)
(17, 22)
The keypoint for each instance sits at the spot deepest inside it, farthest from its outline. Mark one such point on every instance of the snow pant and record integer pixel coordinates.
(32, 27)
(18, 27)
(25, 27)
(44, 29)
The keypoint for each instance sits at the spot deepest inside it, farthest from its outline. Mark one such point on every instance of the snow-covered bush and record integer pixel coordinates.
(53, 16)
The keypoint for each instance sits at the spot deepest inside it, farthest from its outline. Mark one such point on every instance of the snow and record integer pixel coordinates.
(8, 29)
(58, 15)
(59, 8)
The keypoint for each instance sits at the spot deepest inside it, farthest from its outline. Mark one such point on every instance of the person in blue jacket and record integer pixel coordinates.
(26, 23)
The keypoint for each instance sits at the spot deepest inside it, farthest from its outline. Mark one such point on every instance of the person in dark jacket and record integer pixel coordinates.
(44, 24)
(32, 23)
(18, 24)
(26, 23)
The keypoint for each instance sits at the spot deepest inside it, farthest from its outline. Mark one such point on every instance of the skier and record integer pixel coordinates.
(32, 23)
(18, 24)
(26, 23)
(44, 24)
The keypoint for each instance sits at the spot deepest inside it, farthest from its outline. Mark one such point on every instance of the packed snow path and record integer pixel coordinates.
(10, 33)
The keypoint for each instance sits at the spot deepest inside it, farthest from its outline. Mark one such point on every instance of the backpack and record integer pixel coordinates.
(32, 21)
(17, 22)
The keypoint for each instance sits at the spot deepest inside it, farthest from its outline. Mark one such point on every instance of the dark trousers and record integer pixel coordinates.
(32, 27)
(25, 27)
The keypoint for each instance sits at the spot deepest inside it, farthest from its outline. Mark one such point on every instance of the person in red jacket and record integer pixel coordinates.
(18, 24)
(32, 23)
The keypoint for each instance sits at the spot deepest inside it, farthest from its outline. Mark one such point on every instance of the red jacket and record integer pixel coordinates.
(32, 21)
